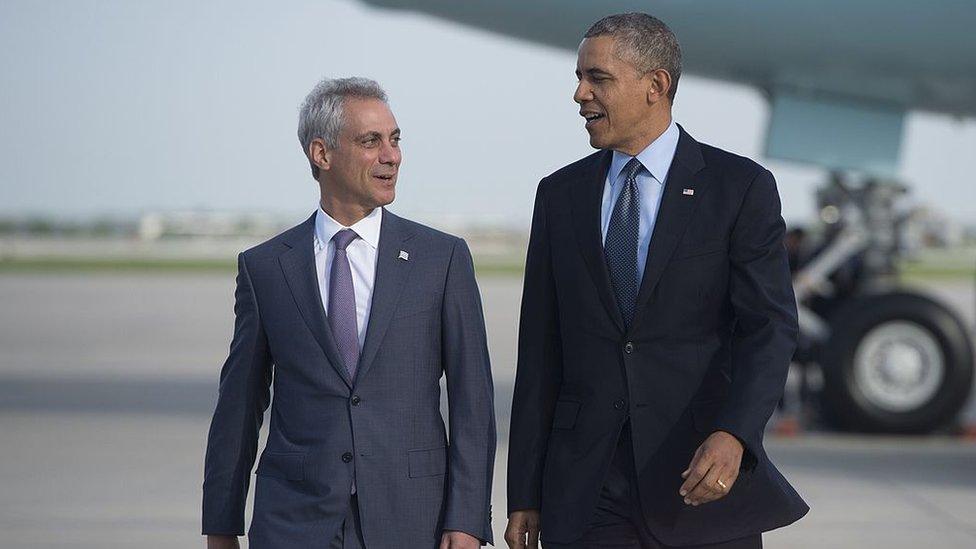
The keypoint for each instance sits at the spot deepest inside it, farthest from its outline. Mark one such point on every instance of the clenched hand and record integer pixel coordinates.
(713, 469)
(523, 530)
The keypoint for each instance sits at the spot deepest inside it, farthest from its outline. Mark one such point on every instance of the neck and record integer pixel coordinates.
(656, 125)
(345, 213)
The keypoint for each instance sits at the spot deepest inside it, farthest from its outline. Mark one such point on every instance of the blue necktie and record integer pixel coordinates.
(621, 244)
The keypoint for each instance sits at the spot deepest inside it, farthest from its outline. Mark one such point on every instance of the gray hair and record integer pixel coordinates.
(321, 113)
(645, 41)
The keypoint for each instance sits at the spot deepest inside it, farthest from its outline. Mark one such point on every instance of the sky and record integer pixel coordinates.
(115, 108)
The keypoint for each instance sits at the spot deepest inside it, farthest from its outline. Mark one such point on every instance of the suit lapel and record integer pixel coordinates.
(298, 265)
(391, 274)
(586, 201)
(673, 215)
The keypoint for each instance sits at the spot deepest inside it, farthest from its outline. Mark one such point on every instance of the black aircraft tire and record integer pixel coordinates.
(847, 406)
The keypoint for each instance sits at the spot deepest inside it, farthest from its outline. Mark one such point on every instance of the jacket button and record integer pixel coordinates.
(347, 457)
(619, 405)
(356, 400)
(629, 348)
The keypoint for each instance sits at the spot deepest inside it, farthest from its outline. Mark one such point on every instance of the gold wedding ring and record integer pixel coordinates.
(722, 484)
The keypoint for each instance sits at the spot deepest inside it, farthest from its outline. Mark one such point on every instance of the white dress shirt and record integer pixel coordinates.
(656, 159)
(362, 261)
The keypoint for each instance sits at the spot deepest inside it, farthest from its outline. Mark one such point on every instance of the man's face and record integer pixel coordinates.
(364, 168)
(612, 96)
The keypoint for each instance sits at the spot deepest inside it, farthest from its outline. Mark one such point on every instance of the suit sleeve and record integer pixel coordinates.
(241, 401)
(471, 405)
(539, 369)
(765, 330)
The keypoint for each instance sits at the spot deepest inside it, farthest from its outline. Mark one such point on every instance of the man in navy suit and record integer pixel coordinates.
(353, 317)
(658, 323)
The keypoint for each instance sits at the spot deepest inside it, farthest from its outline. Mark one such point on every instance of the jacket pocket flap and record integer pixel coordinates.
(427, 463)
(290, 466)
(565, 415)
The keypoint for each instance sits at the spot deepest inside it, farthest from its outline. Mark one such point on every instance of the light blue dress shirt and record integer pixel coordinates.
(656, 159)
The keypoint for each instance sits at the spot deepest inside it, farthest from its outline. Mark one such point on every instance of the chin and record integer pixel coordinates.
(597, 142)
(385, 198)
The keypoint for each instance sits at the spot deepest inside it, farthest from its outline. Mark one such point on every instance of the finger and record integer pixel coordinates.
(694, 458)
(519, 542)
(697, 470)
(514, 537)
(714, 490)
(702, 489)
(691, 467)
(731, 475)
(700, 492)
(533, 537)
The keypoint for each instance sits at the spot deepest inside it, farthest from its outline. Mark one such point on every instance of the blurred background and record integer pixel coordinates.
(145, 143)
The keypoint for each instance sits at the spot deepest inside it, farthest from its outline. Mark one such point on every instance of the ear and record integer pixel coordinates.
(658, 86)
(320, 154)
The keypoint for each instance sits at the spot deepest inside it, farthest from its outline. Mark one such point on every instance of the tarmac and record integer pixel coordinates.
(107, 382)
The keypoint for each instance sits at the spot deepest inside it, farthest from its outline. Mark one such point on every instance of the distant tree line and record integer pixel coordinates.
(47, 226)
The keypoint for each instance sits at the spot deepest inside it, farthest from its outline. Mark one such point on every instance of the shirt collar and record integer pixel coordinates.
(656, 157)
(368, 228)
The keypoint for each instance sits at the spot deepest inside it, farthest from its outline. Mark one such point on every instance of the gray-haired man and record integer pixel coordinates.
(354, 315)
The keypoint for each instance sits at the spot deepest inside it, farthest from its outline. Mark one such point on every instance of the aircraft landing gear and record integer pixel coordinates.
(895, 363)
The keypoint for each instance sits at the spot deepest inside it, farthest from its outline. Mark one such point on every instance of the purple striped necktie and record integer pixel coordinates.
(342, 303)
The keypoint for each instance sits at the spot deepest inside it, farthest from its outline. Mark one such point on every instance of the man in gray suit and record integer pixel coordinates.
(354, 315)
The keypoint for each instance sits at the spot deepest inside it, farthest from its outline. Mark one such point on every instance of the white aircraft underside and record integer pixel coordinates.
(830, 68)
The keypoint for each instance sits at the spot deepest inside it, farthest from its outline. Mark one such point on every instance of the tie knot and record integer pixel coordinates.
(343, 238)
(632, 168)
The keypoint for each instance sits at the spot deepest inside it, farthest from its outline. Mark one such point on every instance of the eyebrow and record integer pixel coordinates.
(595, 71)
(376, 135)
(368, 135)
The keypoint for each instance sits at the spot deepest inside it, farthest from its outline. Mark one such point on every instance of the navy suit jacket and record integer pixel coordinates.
(385, 427)
(708, 349)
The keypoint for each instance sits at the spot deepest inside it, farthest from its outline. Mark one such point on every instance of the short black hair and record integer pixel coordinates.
(645, 41)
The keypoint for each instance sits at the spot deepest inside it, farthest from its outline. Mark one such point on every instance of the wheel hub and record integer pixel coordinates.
(898, 366)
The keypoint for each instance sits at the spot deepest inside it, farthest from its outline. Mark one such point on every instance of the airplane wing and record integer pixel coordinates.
(902, 53)
(840, 74)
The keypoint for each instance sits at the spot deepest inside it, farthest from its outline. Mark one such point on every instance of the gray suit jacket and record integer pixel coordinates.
(385, 429)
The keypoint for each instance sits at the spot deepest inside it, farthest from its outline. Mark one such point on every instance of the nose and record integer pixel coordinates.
(583, 92)
(389, 154)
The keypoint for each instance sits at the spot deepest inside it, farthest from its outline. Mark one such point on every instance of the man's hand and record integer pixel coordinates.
(523, 530)
(223, 542)
(713, 469)
(452, 539)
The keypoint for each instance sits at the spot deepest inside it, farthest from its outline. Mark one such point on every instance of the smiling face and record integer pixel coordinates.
(361, 173)
(621, 106)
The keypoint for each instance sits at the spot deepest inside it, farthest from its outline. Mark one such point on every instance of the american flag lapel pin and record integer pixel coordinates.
(403, 255)
(688, 192)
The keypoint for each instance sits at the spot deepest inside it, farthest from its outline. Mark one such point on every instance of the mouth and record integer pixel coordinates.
(592, 118)
(386, 177)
